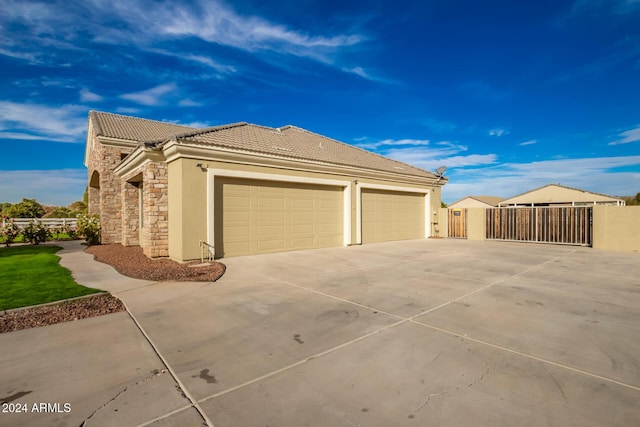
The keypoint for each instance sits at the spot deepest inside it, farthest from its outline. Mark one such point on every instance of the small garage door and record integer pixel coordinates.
(389, 215)
(257, 217)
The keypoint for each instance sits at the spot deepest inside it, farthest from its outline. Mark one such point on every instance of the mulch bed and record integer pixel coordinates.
(82, 308)
(130, 261)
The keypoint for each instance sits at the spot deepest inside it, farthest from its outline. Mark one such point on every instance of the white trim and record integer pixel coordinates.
(400, 189)
(212, 173)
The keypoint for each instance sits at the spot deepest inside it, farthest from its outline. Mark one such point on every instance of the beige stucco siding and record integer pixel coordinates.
(256, 217)
(389, 215)
(187, 193)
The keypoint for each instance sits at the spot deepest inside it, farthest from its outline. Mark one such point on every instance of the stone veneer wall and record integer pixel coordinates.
(154, 236)
(107, 200)
(130, 214)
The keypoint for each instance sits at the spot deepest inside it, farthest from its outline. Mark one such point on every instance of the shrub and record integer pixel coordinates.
(35, 233)
(10, 231)
(89, 227)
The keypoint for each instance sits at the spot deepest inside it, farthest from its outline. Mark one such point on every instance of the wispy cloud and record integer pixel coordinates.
(530, 142)
(508, 179)
(148, 25)
(154, 96)
(498, 132)
(386, 144)
(428, 156)
(629, 136)
(64, 123)
(54, 187)
(87, 96)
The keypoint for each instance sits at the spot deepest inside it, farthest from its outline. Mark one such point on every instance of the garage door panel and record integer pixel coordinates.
(388, 216)
(274, 217)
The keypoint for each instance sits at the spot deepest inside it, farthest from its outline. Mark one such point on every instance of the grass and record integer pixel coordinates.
(33, 275)
(55, 236)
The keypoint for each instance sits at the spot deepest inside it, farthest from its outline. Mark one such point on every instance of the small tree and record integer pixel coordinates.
(27, 208)
(89, 227)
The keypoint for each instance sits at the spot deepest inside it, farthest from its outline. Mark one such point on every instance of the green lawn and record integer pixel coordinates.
(31, 275)
(54, 237)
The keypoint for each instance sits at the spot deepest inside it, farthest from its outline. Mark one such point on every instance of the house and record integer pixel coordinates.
(246, 189)
(476, 202)
(559, 195)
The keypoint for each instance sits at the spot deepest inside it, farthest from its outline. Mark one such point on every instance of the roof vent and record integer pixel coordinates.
(399, 168)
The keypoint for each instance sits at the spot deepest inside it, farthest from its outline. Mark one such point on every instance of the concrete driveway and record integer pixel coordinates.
(413, 333)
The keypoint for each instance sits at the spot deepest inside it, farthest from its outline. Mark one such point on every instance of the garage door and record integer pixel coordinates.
(388, 215)
(257, 217)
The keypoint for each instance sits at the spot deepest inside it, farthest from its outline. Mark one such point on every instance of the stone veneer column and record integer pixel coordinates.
(155, 227)
(130, 214)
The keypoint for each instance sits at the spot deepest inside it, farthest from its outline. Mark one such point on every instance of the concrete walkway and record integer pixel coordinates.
(415, 333)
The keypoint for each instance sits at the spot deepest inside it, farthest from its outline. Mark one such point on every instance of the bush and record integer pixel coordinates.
(35, 233)
(89, 227)
(10, 231)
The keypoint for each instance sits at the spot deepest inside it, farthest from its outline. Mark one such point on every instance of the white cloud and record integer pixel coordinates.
(632, 135)
(52, 187)
(386, 144)
(530, 142)
(87, 96)
(65, 123)
(189, 103)
(498, 132)
(509, 179)
(152, 97)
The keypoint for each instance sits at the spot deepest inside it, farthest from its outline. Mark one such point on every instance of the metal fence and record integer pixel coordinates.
(559, 225)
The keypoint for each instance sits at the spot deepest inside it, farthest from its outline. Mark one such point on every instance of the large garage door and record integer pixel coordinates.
(256, 217)
(388, 215)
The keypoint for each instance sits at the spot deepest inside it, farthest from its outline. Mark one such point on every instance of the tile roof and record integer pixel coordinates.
(288, 141)
(133, 128)
(578, 195)
(490, 200)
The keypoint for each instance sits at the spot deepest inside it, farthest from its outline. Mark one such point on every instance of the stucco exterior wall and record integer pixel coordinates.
(187, 194)
(443, 226)
(616, 228)
(476, 220)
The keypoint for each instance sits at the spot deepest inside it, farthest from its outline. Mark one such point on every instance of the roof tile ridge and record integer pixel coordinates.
(98, 113)
(357, 148)
(200, 131)
(95, 119)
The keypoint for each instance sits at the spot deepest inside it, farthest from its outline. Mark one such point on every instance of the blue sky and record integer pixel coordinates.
(509, 95)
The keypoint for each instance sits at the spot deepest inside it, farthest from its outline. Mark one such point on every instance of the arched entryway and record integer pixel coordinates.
(94, 193)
